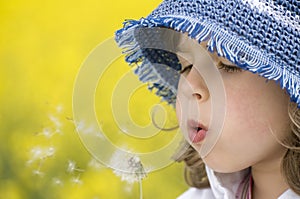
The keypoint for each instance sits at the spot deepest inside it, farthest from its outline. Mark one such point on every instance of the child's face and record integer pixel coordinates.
(256, 113)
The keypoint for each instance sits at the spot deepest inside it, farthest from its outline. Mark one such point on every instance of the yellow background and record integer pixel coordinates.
(42, 45)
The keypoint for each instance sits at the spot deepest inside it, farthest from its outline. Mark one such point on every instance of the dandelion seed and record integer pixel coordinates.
(128, 188)
(128, 167)
(59, 108)
(29, 162)
(76, 180)
(95, 164)
(47, 133)
(50, 152)
(57, 182)
(58, 131)
(70, 119)
(89, 130)
(55, 121)
(80, 126)
(73, 168)
(124, 129)
(99, 135)
(37, 172)
(36, 153)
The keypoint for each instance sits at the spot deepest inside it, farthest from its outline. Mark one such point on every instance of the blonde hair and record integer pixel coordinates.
(291, 160)
(195, 174)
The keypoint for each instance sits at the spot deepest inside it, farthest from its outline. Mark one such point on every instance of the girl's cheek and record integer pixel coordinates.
(178, 110)
(243, 108)
(257, 106)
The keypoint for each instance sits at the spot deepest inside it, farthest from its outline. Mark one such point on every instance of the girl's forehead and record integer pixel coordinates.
(185, 43)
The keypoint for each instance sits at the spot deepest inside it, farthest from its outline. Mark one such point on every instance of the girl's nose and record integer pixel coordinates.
(194, 86)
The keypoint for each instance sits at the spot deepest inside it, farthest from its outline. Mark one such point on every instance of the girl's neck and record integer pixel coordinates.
(269, 182)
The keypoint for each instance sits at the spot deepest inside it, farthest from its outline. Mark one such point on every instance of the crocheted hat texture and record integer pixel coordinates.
(260, 36)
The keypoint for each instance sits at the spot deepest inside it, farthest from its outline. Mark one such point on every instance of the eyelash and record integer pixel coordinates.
(189, 67)
(228, 68)
(221, 66)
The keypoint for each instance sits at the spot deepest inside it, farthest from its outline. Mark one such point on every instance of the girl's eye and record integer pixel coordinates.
(228, 68)
(186, 69)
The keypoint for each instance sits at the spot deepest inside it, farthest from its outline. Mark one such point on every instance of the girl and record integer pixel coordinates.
(244, 138)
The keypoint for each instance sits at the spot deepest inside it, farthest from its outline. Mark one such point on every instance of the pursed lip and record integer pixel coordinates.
(197, 131)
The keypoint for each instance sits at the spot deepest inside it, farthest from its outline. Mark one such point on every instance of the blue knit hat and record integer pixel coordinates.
(260, 36)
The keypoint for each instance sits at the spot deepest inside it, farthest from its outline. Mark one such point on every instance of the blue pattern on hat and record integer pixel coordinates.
(260, 36)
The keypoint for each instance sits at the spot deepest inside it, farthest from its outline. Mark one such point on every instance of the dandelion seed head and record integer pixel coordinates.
(128, 167)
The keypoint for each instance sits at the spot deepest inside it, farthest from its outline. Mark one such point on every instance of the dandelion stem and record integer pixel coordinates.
(141, 188)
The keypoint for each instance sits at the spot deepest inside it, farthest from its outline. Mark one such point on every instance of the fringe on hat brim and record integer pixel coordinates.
(228, 45)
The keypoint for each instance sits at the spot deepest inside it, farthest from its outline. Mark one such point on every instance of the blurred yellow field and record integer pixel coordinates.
(42, 47)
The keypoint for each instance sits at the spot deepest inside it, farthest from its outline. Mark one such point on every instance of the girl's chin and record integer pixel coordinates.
(221, 167)
(196, 146)
(216, 162)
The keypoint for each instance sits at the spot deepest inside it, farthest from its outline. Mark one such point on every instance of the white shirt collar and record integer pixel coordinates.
(224, 186)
